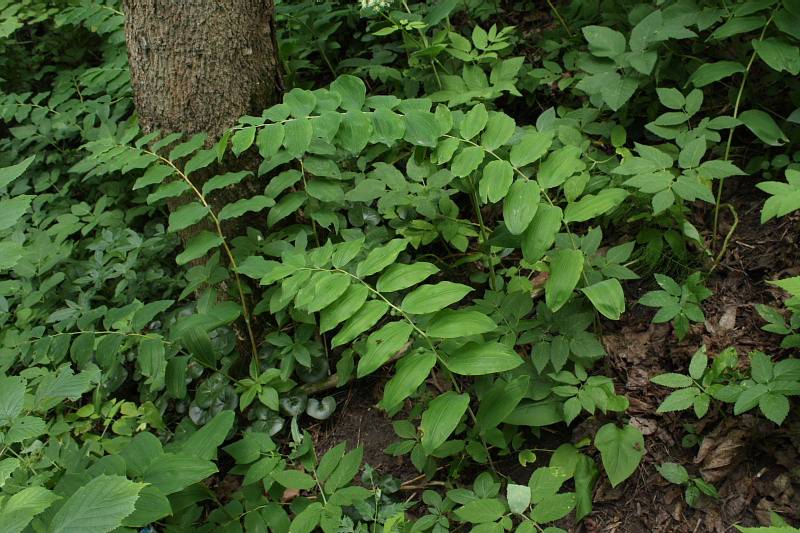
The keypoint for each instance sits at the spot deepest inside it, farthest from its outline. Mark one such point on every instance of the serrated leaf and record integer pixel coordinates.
(97, 507)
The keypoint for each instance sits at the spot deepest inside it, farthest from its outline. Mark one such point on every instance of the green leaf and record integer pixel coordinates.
(479, 358)
(12, 395)
(269, 140)
(198, 246)
(11, 211)
(366, 317)
(328, 290)
(474, 122)
(679, 400)
(285, 207)
(616, 90)
(497, 178)
(23, 506)
(9, 174)
(481, 511)
(399, 276)
(172, 473)
(594, 205)
(621, 450)
(97, 507)
(187, 215)
(410, 372)
(775, 407)
(764, 127)
(559, 166)
(184, 149)
(519, 498)
(675, 381)
(198, 343)
(382, 345)
(343, 308)
(345, 471)
(533, 146)
(25, 428)
(520, 205)
(300, 101)
(432, 298)
(779, 54)
(607, 297)
(604, 42)
(565, 272)
(294, 479)
(692, 153)
(151, 505)
(381, 257)
(710, 72)
(553, 508)
(699, 363)
(10, 254)
(450, 324)
(671, 98)
(441, 418)
(499, 402)
(307, 520)
(242, 140)
(240, 207)
(204, 442)
(674, 473)
(352, 90)
(387, 126)
(297, 136)
(140, 452)
(499, 130)
(467, 161)
(422, 128)
(541, 232)
(355, 131)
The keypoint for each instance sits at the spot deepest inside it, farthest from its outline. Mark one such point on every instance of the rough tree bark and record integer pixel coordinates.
(196, 67)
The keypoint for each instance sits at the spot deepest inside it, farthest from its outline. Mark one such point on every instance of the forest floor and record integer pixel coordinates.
(751, 462)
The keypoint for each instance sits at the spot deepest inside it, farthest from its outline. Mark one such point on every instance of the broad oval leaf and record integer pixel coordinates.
(366, 317)
(533, 146)
(453, 323)
(607, 297)
(410, 372)
(382, 345)
(565, 272)
(594, 205)
(621, 450)
(520, 205)
(380, 258)
(479, 358)
(541, 233)
(398, 277)
(97, 507)
(500, 401)
(441, 418)
(432, 298)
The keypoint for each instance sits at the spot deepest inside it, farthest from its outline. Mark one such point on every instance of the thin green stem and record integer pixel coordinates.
(560, 18)
(228, 253)
(730, 134)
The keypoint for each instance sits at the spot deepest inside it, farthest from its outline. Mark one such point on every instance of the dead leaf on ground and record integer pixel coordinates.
(723, 449)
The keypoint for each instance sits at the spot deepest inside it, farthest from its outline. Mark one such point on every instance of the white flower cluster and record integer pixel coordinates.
(376, 4)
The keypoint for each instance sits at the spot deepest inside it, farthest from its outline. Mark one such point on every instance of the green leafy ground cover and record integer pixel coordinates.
(462, 206)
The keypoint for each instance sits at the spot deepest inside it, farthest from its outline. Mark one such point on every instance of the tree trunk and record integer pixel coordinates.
(196, 67)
